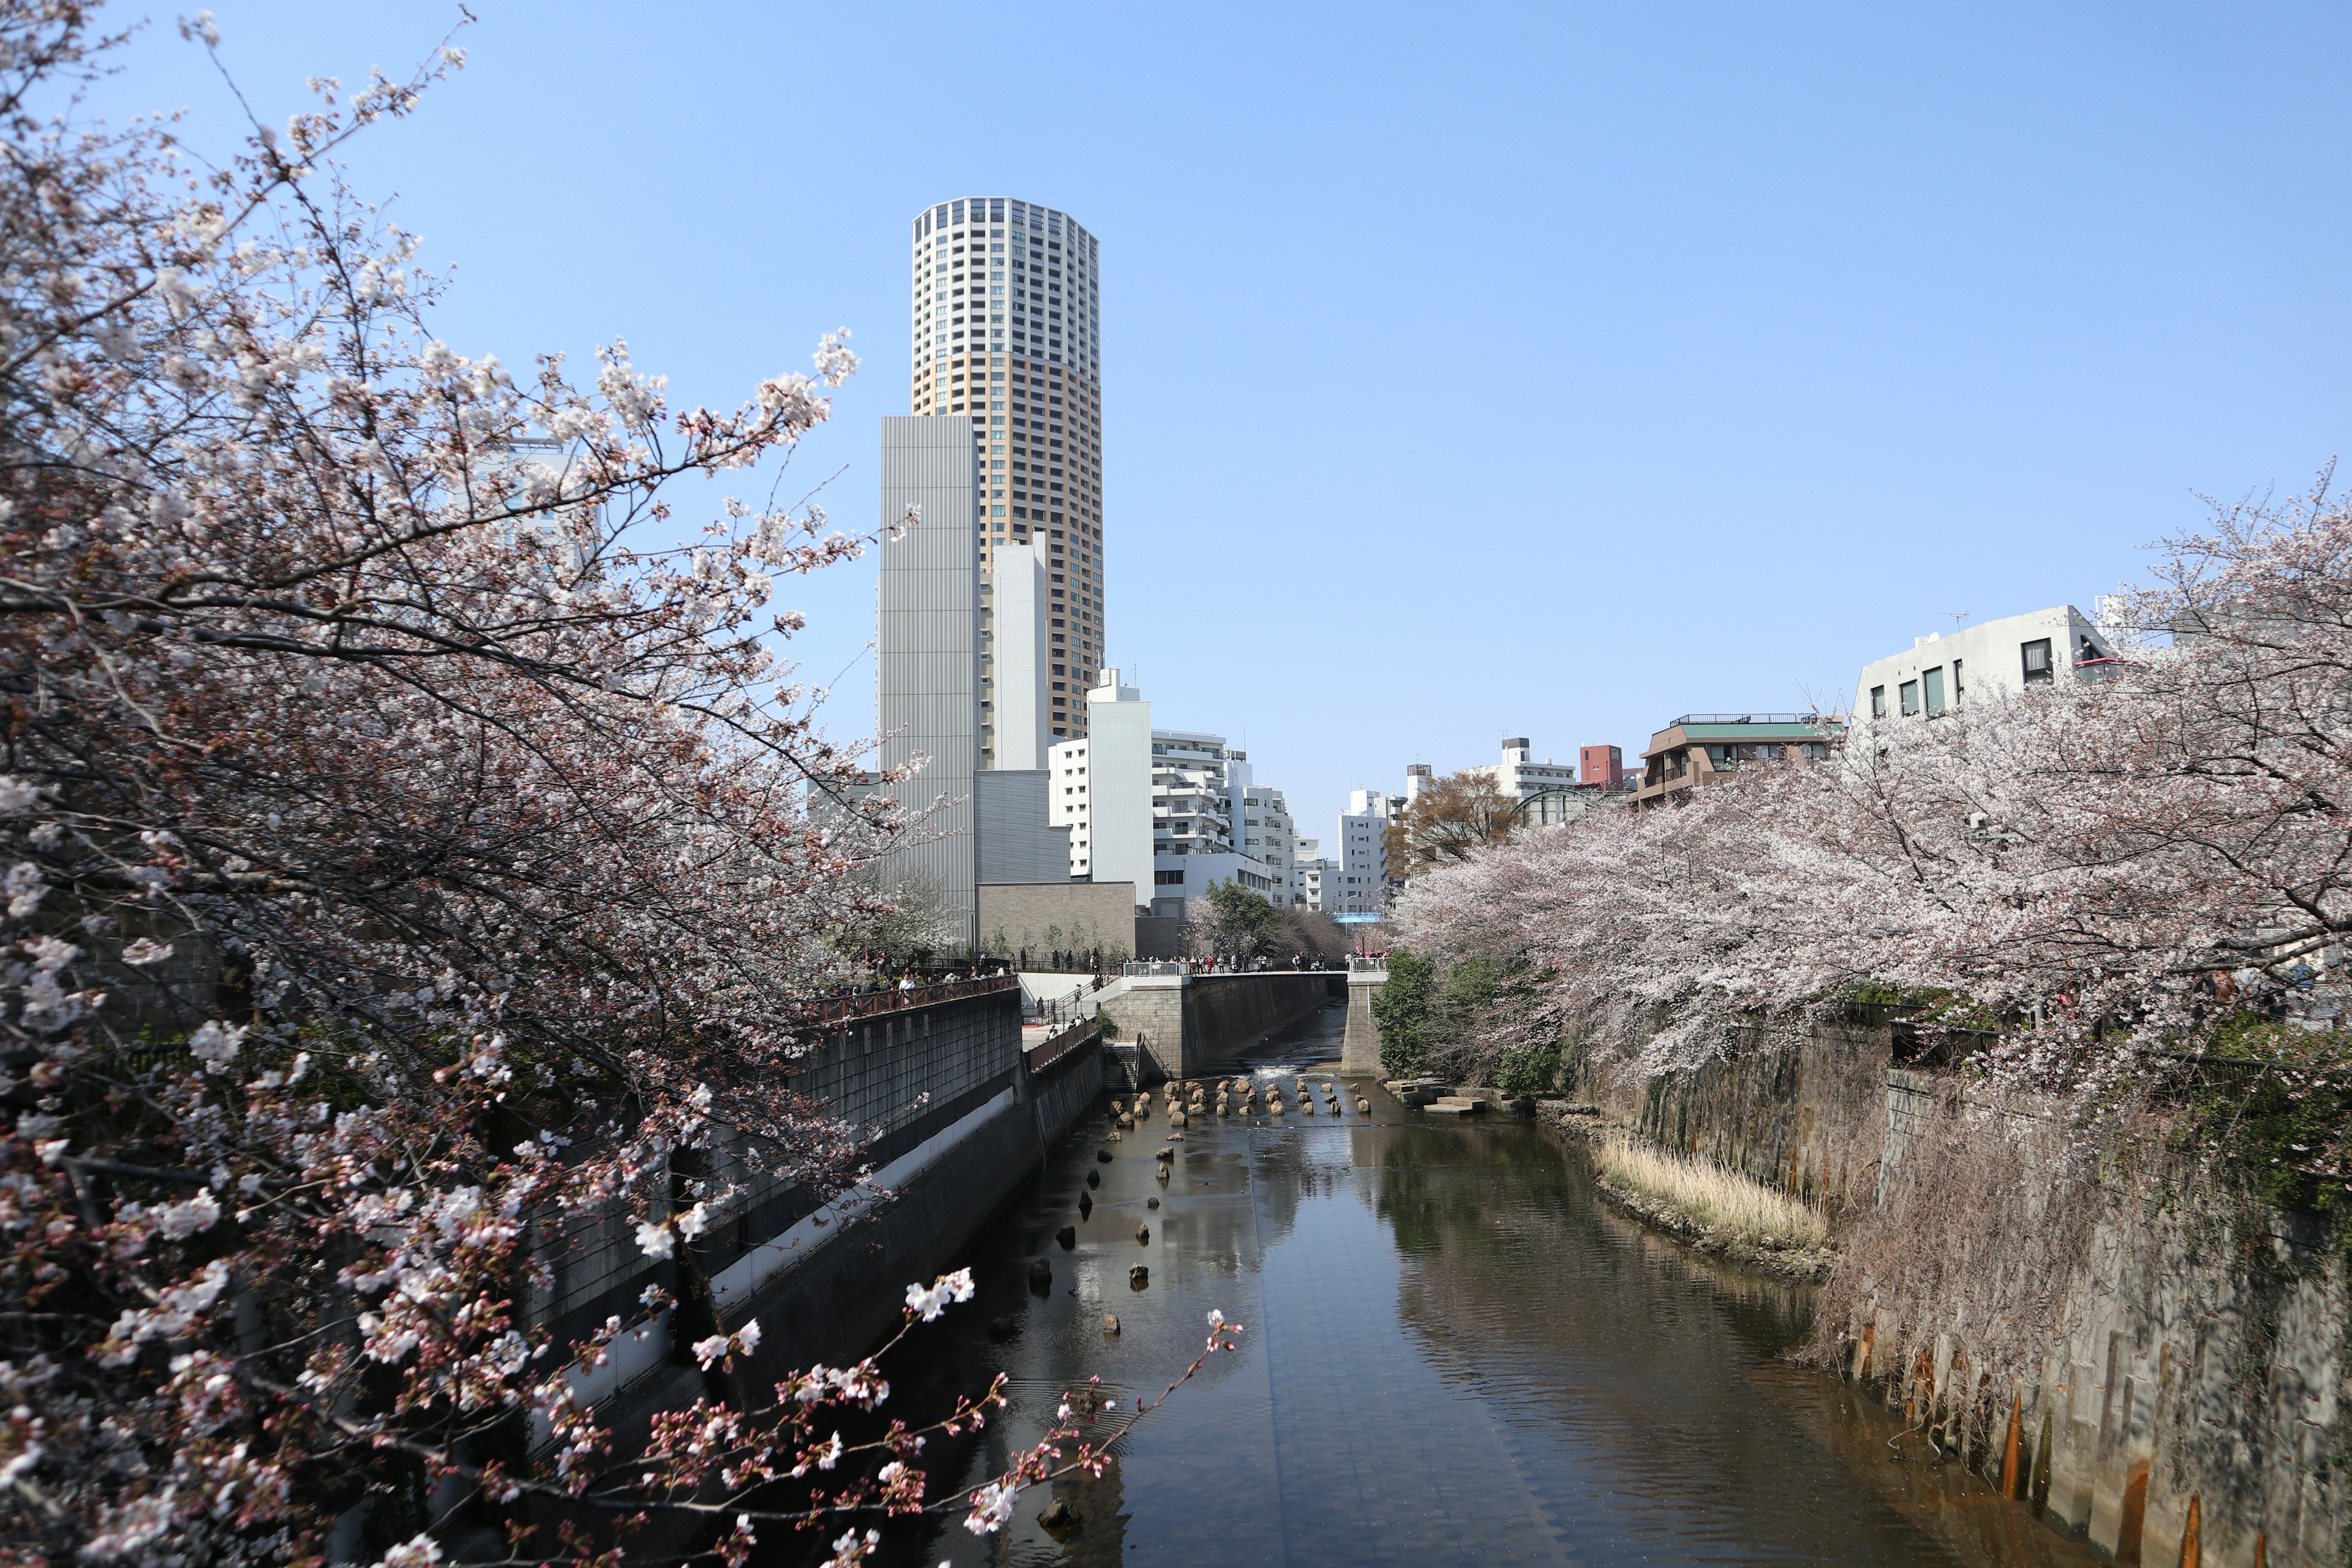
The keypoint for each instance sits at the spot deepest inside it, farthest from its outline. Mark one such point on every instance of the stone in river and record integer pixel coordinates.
(1067, 1236)
(1110, 1323)
(1138, 1278)
(1143, 1235)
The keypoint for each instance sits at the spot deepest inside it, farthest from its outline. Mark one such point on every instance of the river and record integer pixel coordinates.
(1453, 1353)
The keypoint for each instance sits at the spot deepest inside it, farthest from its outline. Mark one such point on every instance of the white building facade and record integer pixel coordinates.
(1199, 790)
(1940, 672)
(1520, 776)
(1267, 835)
(1015, 720)
(1362, 886)
(1312, 874)
(1101, 788)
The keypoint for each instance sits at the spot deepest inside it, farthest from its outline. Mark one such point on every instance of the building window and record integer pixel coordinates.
(1934, 682)
(2036, 656)
(1910, 694)
(1957, 688)
(1878, 702)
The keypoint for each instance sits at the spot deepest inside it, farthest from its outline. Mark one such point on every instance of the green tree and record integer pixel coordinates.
(1406, 1010)
(1230, 918)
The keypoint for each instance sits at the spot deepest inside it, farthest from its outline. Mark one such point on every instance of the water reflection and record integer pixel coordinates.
(1453, 1353)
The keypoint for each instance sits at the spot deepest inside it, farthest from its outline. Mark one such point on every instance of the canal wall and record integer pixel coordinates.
(1807, 1115)
(2154, 1361)
(827, 1280)
(1178, 1026)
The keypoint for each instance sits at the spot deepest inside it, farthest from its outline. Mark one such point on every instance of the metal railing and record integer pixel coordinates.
(1056, 1046)
(817, 1010)
(1156, 966)
(1358, 964)
(1053, 1011)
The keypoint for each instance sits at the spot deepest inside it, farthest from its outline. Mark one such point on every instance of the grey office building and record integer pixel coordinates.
(927, 679)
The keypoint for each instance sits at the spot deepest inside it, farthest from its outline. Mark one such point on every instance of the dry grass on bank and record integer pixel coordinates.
(1735, 1206)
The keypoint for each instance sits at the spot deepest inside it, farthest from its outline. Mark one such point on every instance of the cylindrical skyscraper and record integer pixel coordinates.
(1006, 307)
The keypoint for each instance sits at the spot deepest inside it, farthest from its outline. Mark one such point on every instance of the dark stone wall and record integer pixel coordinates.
(1808, 1117)
(1223, 1013)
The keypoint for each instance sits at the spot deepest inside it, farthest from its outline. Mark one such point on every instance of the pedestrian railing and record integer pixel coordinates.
(1056, 1046)
(813, 1011)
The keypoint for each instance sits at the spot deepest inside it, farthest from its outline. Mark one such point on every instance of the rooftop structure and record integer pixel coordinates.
(1706, 748)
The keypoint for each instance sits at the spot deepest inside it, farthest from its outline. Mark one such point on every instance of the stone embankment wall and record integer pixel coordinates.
(1809, 1117)
(2172, 1378)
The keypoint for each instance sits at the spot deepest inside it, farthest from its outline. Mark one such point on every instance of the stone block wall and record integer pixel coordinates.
(1359, 1049)
(2201, 1355)
(1044, 916)
(1226, 1012)
(1177, 1025)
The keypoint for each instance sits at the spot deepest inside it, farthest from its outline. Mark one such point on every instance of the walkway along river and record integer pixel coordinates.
(1454, 1353)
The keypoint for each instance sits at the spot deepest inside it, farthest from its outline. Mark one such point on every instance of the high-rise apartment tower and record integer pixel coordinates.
(1006, 307)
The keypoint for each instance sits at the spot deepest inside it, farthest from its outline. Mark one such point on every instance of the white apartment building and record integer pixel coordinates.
(1937, 672)
(1519, 776)
(1362, 885)
(1267, 834)
(1101, 789)
(1199, 793)
(1312, 876)
(1005, 310)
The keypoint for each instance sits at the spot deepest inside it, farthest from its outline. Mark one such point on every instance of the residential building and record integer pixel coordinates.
(1268, 834)
(1363, 888)
(1100, 788)
(1600, 767)
(1938, 671)
(1418, 776)
(1312, 876)
(927, 666)
(1005, 311)
(1200, 792)
(1706, 748)
(1519, 776)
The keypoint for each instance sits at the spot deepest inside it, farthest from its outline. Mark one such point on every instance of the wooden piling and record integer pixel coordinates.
(2192, 1549)
(2009, 1449)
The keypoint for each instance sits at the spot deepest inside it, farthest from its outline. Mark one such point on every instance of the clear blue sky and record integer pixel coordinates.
(1468, 371)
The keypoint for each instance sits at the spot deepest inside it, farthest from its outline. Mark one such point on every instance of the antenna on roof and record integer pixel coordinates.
(1958, 616)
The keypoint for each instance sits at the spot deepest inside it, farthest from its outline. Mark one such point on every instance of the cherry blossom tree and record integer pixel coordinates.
(411, 849)
(2095, 874)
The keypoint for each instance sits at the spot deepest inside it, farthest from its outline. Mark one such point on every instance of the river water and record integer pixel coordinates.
(1453, 1353)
